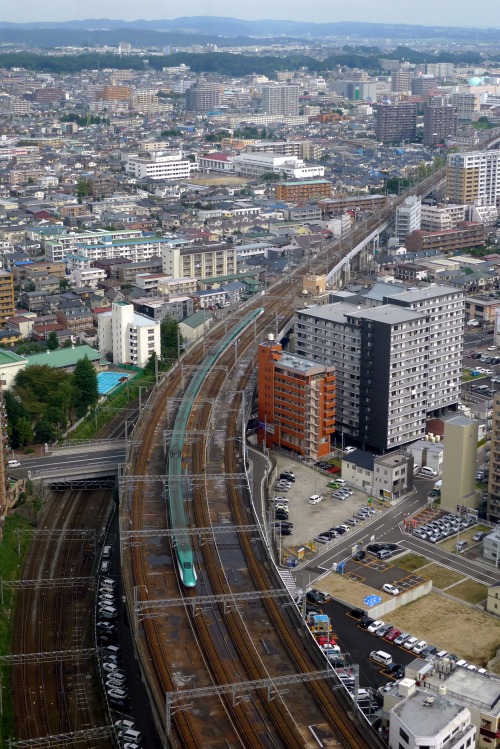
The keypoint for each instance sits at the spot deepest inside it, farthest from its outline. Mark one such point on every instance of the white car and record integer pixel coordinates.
(388, 588)
(492, 348)
(349, 450)
(410, 643)
(376, 625)
(421, 644)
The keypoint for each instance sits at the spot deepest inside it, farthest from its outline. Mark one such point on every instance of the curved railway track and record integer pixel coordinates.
(155, 656)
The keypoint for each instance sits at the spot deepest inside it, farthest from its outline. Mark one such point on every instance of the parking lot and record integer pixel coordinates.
(309, 520)
(375, 573)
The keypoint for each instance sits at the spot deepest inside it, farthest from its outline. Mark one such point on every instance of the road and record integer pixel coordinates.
(80, 456)
(388, 527)
(359, 643)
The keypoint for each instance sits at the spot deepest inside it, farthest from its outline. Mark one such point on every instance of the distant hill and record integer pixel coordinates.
(193, 29)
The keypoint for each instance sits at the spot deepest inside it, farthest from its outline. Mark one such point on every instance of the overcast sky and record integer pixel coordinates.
(481, 13)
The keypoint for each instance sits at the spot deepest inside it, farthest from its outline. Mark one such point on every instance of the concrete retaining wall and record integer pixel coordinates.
(378, 612)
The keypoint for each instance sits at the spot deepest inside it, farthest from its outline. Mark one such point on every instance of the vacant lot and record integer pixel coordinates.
(350, 591)
(469, 633)
(441, 576)
(411, 562)
(208, 179)
(470, 591)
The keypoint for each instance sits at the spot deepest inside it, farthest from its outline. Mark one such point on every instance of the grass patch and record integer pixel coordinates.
(11, 563)
(451, 543)
(412, 562)
(442, 577)
(469, 591)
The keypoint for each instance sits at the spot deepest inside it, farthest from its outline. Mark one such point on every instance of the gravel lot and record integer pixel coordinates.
(310, 520)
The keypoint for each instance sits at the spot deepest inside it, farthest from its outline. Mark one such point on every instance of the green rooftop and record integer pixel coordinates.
(194, 321)
(64, 357)
(9, 357)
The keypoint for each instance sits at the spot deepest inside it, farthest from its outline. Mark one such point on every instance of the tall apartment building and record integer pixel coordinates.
(474, 178)
(296, 401)
(280, 99)
(408, 217)
(203, 97)
(422, 85)
(114, 93)
(129, 337)
(401, 81)
(395, 363)
(439, 123)
(493, 508)
(7, 306)
(395, 122)
(466, 105)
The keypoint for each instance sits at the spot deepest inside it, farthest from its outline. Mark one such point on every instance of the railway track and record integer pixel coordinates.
(147, 458)
(54, 697)
(281, 729)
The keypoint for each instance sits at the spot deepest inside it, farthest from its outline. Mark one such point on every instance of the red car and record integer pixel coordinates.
(333, 469)
(391, 636)
(324, 640)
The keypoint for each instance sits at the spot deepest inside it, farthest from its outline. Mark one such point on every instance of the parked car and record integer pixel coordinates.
(402, 638)
(419, 646)
(478, 536)
(391, 636)
(375, 625)
(383, 631)
(317, 596)
(410, 643)
(365, 621)
(359, 555)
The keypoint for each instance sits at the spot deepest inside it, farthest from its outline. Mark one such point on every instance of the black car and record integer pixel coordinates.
(283, 524)
(357, 614)
(365, 621)
(288, 476)
(396, 670)
(285, 531)
(316, 596)
(281, 515)
(375, 548)
(429, 650)
(359, 555)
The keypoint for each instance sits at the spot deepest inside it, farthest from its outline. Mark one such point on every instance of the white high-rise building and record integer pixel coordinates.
(130, 338)
(473, 178)
(408, 217)
(280, 99)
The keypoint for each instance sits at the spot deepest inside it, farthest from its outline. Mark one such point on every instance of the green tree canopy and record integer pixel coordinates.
(85, 392)
(169, 338)
(52, 341)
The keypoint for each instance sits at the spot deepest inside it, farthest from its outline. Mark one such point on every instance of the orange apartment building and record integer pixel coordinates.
(296, 401)
(304, 190)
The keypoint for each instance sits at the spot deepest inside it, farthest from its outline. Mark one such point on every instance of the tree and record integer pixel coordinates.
(23, 431)
(67, 343)
(169, 338)
(52, 341)
(44, 431)
(85, 392)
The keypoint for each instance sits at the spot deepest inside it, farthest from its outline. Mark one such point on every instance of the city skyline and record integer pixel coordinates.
(448, 13)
